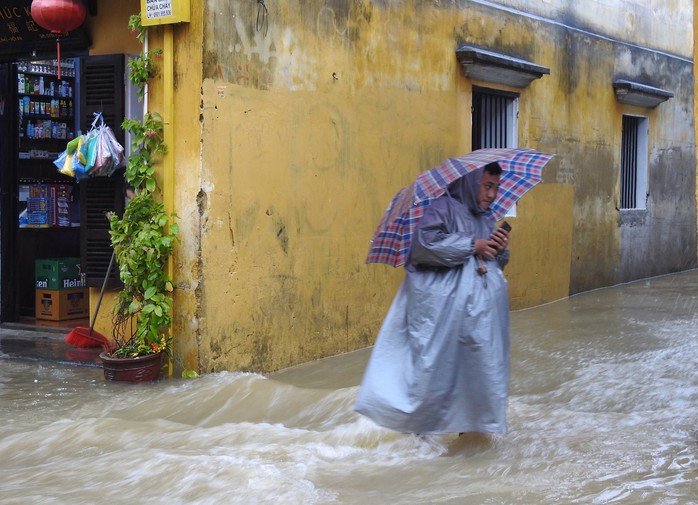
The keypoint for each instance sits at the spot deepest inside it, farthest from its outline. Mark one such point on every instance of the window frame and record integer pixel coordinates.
(511, 111)
(634, 157)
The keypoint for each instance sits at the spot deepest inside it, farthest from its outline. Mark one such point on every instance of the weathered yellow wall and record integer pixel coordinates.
(297, 176)
(289, 144)
(185, 116)
(308, 133)
(287, 224)
(534, 271)
(109, 31)
(640, 22)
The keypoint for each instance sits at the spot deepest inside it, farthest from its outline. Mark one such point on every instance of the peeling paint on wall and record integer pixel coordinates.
(310, 127)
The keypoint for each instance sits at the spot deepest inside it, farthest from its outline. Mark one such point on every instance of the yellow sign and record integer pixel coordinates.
(164, 12)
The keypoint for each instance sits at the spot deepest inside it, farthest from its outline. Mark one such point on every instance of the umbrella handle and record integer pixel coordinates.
(101, 293)
(481, 268)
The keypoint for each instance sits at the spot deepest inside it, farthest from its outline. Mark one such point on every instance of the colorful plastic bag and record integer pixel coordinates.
(65, 162)
(110, 154)
(97, 153)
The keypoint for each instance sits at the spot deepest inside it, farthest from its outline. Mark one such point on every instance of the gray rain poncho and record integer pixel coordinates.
(441, 360)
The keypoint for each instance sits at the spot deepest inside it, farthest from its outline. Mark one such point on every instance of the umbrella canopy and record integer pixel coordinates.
(521, 170)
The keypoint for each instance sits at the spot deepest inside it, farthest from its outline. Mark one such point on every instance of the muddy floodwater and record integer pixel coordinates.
(603, 409)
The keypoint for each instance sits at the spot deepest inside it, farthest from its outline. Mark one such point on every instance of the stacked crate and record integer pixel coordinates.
(60, 291)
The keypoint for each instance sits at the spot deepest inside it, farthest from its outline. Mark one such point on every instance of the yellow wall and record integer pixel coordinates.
(536, 266)
(640, 22)
(289, 144)
(184, 155)
(305, 143)
(109, 28)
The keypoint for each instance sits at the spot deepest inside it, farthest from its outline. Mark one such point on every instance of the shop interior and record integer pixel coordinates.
(55, 248)
(54, 242)
(47, 201)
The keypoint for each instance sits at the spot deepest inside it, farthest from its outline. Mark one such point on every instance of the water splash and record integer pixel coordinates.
(600, 412)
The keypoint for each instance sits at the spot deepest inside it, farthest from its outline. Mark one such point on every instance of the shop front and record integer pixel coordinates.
(54, 241)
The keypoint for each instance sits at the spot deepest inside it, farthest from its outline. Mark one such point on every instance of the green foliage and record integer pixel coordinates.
(143, 242)
(147, 143)
(189, 374)
(134, 24)
(143, 238)
(143, 69)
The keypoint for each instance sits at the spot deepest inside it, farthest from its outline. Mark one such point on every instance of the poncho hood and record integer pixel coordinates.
(466, 189)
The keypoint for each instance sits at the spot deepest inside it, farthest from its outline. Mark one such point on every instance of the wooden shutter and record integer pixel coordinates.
(102, 90)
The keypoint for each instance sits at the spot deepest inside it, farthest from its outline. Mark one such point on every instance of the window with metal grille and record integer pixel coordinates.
(495, 115)
(494, 118)
(633, 162)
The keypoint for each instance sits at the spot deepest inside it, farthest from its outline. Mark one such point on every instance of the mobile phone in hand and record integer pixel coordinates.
(506, 227)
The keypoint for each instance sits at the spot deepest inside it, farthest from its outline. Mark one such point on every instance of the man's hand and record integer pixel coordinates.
(485, 248)
(500, 240)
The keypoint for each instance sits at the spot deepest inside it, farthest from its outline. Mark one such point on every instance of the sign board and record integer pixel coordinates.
(22, 38)
(164, 12)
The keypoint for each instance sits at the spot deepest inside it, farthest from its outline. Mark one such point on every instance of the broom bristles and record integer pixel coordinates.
(84, 338)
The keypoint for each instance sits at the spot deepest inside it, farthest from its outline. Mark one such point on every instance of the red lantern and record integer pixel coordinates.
(58, 16)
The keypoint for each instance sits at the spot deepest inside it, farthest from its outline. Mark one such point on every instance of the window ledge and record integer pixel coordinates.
(632, 217)
(642, 95)
(489, 66)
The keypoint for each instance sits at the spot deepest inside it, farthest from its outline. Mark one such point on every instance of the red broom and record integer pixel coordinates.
(87, 337)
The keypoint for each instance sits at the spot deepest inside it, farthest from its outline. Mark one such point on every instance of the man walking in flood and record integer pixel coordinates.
(441, 360)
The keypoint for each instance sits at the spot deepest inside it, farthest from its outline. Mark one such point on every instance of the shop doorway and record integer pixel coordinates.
(54, 239)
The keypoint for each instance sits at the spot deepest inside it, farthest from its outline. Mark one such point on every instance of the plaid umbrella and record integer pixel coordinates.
(521, 170)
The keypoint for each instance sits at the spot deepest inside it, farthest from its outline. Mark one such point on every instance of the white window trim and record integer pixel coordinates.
(642, 166)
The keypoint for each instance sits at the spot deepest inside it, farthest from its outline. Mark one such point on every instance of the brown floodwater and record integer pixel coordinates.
(603, 409)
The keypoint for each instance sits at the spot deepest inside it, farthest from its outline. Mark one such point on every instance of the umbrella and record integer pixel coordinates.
(521, 170)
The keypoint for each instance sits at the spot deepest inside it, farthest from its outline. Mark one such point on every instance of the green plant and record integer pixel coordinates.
(147, 143)
(142, 69)
(136, 27)
(143, 240)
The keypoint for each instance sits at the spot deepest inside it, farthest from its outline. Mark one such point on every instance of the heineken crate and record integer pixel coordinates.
(60, 305)
(58, 273)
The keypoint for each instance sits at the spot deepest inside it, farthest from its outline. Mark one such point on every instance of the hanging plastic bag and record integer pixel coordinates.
(97, 153)
(65, 161)
(117, 151)
(103, 158)
(79, 159)
(89, 149)
(110, 154)
(104, 153)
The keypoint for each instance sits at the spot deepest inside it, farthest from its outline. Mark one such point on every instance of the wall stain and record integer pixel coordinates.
(331, 153)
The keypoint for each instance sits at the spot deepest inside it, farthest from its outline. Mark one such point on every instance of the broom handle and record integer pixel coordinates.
(101, 293)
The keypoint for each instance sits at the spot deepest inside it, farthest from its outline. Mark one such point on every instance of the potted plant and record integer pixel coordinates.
(143, 240)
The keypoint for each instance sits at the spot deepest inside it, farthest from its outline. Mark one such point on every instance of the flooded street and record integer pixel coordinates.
(603, 409)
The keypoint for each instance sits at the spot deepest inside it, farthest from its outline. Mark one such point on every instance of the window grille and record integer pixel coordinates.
(494, 119)
(633, 161)
(495, 115)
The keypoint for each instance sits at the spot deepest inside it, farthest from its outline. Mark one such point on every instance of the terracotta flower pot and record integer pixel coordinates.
(139, 369)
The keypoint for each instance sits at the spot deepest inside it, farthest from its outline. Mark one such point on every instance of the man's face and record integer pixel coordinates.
(489, 184)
